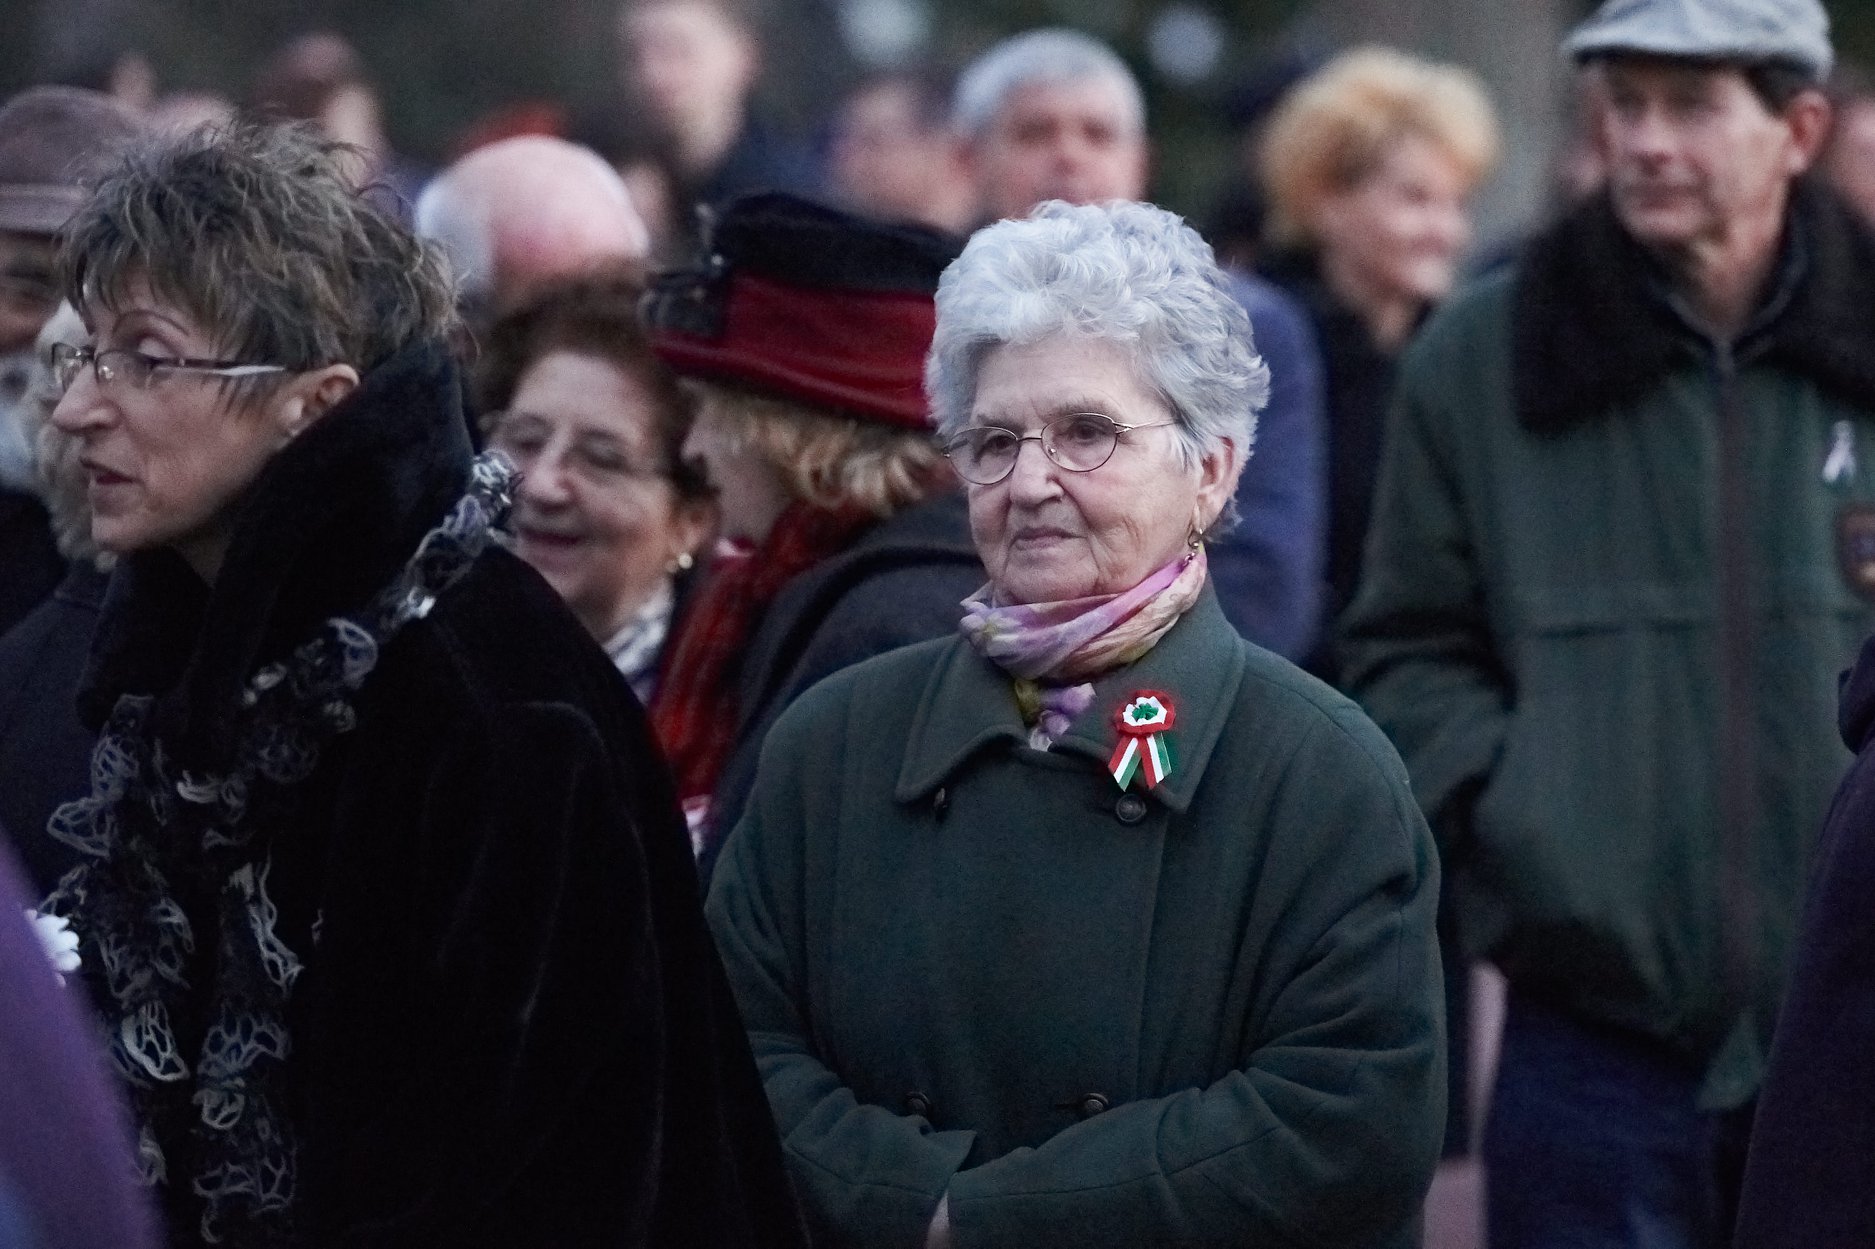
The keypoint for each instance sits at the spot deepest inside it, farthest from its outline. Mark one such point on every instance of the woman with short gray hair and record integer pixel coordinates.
(1095, 924)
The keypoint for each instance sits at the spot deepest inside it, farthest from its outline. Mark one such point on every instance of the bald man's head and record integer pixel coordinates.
(523, 211)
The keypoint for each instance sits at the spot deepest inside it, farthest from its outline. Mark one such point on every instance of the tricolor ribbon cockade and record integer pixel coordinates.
(1145, 740)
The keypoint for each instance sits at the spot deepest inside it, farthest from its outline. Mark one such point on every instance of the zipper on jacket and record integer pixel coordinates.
(1737, 799)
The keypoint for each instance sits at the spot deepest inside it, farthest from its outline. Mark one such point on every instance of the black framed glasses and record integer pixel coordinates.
(1079, 442)
(120, 366)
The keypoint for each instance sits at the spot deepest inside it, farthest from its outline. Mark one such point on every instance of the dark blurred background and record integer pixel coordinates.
(442, 66)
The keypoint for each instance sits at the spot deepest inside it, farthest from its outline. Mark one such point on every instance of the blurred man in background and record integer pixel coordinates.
(1055, 114)
(894, 156)
(51, 140)
(1623, 543)
(321, 79)
(691, 66)
(518, 213)
(1051, 114)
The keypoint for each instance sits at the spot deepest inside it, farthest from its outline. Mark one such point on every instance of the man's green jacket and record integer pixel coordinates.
(1615, 569)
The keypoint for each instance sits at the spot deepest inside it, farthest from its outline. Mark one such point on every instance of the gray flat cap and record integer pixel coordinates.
(53, 140)
(1749, 32)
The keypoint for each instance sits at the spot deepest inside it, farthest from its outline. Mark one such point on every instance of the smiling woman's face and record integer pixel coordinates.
(1046, 533)
(595, 513)
(167, 462)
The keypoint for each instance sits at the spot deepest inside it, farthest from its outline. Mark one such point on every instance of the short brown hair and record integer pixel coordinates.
(1333, 129)
(255, 230)
(595, 314)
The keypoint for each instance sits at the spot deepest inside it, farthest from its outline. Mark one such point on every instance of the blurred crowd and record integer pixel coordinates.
(548, 701)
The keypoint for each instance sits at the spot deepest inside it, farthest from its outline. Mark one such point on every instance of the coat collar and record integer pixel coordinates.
(331, 519)
(1590, 330)
(969, 705)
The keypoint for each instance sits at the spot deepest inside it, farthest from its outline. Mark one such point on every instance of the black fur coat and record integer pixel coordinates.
(512, 1028)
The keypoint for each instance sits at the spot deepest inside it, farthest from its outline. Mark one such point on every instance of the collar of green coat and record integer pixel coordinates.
(969, 704)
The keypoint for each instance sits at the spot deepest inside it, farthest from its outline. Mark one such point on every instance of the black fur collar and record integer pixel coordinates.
(1588, 332)
(331, 520)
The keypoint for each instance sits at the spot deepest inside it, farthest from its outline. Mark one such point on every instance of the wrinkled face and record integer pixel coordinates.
(1693, 152)
(28, 292)
(751, 492)
(168, 462)
(595, 513)
(884, 158)
(1046, 533)
(688, 60)
(1401, 230)
(1072, 141)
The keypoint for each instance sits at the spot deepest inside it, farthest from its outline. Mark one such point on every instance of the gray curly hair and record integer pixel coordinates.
(1126, 273)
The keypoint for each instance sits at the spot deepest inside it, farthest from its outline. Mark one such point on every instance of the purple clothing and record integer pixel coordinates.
(1813, 1142)
(67, 1173)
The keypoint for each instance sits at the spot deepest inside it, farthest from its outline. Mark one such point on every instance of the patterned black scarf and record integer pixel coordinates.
(156, 836)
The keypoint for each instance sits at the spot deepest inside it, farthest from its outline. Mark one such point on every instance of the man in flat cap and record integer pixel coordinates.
(51, 140)
(1624, 542)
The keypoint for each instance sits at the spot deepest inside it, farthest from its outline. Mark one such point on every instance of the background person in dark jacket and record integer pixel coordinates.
(1807, 1179)
(386, 895)
(1369, 164)
(52, 139)
(1620, 552)
(45, 750)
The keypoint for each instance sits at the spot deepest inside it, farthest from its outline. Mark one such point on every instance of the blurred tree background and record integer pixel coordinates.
(443, 64)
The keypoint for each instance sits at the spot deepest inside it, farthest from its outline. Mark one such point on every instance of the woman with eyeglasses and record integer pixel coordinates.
(607, 509)
(1092, 924)
(384, 895)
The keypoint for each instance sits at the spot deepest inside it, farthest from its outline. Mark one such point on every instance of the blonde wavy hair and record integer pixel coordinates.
(1334, 128)
(826, 458)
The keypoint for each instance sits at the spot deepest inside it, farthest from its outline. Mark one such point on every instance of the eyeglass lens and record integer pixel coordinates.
(1080, 442)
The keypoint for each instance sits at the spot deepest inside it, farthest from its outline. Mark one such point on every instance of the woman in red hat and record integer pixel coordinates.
(802, 334)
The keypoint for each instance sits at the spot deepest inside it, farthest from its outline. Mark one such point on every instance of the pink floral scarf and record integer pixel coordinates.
(1053, 649)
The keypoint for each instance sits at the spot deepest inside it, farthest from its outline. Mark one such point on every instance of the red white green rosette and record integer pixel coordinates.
(1145, 747)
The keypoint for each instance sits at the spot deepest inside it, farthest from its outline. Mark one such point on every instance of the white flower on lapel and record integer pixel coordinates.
(60, 942)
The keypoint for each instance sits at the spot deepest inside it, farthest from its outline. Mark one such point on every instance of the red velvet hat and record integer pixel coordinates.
(810, 303)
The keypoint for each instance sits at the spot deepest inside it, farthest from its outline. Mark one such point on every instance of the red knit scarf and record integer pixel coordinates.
(698, 706)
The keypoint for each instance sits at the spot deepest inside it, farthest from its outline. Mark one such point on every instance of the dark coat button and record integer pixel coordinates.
(918, 1104)
(1130, 809)
(1087, 1105)
(941, 802)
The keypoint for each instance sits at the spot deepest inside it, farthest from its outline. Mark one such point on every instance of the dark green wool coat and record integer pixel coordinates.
(1608, 591)
(1208, 1014)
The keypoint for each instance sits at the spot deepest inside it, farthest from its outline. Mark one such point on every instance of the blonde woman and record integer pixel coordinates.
(803, 339)
(1369, 166)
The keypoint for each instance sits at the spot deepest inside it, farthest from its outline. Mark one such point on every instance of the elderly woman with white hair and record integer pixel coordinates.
(1094, 924)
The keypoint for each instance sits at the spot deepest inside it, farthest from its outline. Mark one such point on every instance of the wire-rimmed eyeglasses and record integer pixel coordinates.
(136, 368)
(1079, 442)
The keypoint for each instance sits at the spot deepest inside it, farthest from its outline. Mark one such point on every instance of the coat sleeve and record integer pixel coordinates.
(1328, 1131)
(1417, 644)
(867, 1176)
(507, 1089)
(1269, 569)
